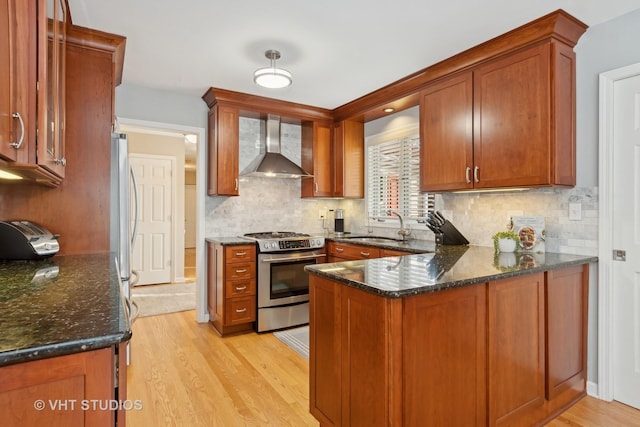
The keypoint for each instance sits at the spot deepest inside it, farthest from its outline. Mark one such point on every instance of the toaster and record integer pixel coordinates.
(25, 240)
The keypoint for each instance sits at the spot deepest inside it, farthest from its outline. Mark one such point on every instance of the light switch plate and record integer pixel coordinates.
(575, 211)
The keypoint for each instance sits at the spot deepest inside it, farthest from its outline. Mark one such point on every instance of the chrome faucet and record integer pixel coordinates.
(403, 232)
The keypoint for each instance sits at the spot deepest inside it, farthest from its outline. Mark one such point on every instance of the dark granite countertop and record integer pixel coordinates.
(230, 241)
(448, 267)
(412, 246)
(62, 305)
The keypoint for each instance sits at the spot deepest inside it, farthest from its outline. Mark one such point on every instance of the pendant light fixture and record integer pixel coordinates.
(272, 77)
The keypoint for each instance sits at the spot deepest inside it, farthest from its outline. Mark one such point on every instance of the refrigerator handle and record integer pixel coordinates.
(135, 207)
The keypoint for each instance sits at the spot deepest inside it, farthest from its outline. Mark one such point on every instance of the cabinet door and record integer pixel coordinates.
(348, 159)
(516, 349)
(317, 159)
(512, 120)
(6, 78)
(224, 140)
(445, 358)
(566, 300)
(446, 146)
(52, 23)
(325, 350)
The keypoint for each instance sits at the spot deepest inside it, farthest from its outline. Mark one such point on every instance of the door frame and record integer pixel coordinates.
(202, 314)
(605, 226)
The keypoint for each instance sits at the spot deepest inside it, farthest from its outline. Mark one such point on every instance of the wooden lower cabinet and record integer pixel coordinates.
(377, 361)
(507, 352)
(516, 348)
(231, 287)
(338, 251)
(73, 390)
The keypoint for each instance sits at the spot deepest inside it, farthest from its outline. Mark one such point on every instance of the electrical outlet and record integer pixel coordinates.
(321, 215)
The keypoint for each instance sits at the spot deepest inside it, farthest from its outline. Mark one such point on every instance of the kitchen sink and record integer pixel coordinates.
(370, 239)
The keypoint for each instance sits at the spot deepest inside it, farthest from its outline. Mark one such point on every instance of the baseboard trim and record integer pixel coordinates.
(592, 389)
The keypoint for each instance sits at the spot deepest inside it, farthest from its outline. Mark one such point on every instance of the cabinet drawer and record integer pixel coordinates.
(240, 310)
(240, 253)
(240, 270)
(234, 288)
(352, 252)
(391, 252)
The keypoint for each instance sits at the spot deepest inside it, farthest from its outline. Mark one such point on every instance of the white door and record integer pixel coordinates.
(626, 237)
(151, 256)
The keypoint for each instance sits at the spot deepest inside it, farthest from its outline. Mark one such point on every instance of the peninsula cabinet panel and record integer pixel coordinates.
(516, 349)
(445, 358)
(325, 342)
(224, 146)
(368, 348)
(566, 302)
(317, 159)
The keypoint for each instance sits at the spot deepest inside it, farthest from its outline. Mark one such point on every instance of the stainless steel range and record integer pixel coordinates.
(283, 285)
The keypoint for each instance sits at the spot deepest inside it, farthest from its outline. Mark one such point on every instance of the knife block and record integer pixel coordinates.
(450, 235)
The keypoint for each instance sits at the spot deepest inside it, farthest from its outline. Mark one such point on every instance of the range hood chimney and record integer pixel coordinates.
(273, 163)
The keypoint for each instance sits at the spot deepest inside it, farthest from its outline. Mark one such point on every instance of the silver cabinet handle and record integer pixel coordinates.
(365, 253)
(18, 143)
(241, 253)
(236, 183)
(241, 288)
(241, 270)
(476, 174)
(316, 187)
(466, 175)
(61, 161)
(241, 310)
(339, 250)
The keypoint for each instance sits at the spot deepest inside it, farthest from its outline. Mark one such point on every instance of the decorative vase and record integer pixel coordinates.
(506, 245)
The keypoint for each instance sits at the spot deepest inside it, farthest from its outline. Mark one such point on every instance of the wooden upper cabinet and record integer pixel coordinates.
(317, 159)
(52, 30)
(6, 80)
(508, 122)
(446, 130)
(348, 159)
(512, 120)
(224, 140)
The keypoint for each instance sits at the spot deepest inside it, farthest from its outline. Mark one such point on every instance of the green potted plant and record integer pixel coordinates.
(506, 241)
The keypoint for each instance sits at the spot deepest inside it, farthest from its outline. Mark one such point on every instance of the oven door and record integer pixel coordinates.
(282, 279)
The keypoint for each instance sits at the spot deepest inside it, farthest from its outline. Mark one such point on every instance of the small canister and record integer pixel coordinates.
(339, 223)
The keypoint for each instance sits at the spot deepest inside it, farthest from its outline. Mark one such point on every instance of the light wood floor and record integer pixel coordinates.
(186, 375)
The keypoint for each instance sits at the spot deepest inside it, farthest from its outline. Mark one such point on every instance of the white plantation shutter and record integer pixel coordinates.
(393, 179)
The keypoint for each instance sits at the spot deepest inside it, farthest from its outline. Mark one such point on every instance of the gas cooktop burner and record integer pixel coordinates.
(275, 235)
(276, 241)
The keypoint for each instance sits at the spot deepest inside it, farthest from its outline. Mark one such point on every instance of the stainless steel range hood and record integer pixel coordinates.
(273, 163)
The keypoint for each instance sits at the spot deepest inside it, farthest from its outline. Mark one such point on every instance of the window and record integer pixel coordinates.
(393, 179)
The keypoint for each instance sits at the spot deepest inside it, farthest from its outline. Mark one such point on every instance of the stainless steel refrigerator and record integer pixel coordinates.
(123, 216)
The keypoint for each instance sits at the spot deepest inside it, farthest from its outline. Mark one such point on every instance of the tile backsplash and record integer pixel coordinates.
(273, 204)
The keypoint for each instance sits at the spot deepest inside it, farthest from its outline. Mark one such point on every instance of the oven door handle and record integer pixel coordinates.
(302, 258)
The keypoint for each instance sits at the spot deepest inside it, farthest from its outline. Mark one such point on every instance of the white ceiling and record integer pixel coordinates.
(337, 50)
